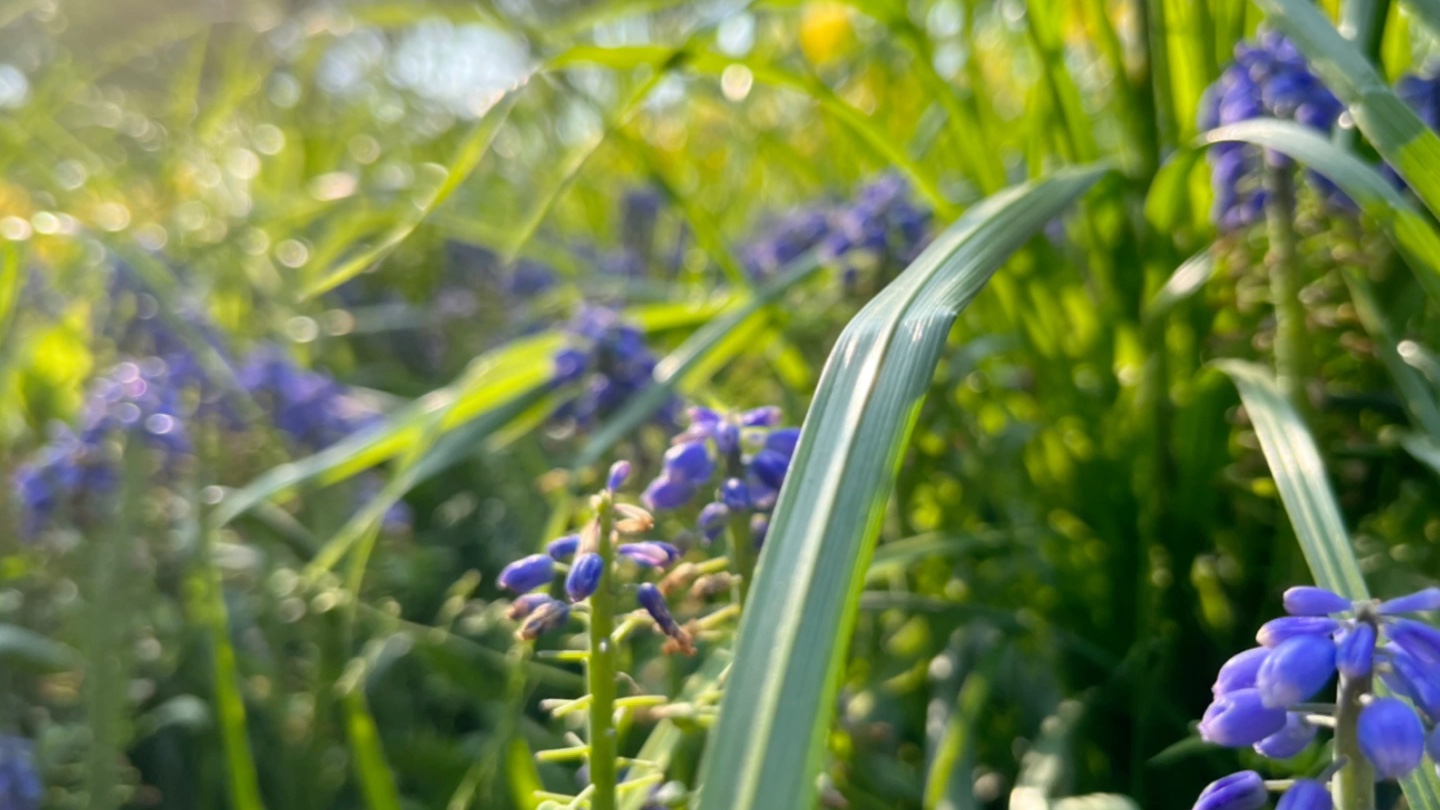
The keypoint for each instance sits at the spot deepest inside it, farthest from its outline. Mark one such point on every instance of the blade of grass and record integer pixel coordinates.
(1310, 503)
(474, 147)
(1390, 125)
(767, 743)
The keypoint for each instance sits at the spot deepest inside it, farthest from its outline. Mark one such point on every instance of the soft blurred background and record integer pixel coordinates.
(282, 287)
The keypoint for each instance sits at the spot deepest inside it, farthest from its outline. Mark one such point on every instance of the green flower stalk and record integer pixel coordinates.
(600, 671)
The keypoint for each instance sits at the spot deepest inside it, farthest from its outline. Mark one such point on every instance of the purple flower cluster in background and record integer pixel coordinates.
(609, 360)
(135, 399)
(737, 461)
(20, 785)
(881, 225)
(310, 407)
(1262, 695)
(1269, 78)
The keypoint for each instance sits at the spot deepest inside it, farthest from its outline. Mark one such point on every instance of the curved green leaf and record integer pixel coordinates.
(766, 746)
(1310, 502)
(1406, 227)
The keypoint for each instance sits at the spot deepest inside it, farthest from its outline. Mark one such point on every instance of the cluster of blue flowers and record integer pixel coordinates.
(738, 460)
(136, 399)
(310, 407)
(881, 226)
(608, 358)
(577, 557)
(1262, 695)
(20, 786)
(1269, 78)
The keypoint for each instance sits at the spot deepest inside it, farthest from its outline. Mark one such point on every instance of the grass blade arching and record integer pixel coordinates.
(765, 749)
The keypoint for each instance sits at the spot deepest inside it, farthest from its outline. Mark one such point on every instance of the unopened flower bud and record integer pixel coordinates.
(525, 605)
(1428, 599)
(528, 573)
(1305, 794)
(1355, 651)
(651, 552)
(666, 493)
(711, 522)
(1391, 737)
(1311, 601)
(562, 547)
(1240, 671)
(633, 519)
(1295, 737)
(619, 473)
(735, 494)
(1239, 718)
(546, 617)
(689, 461)
(1295, 670)
(1277, 630)
(584, 576)
(1238, 791)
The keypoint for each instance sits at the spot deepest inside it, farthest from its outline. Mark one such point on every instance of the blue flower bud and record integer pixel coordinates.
(1428, 599)
(1288, 741)
(783, 440)
(1391, 737)
(1277, 630)
(525, 605)
(1240, 671)
(689, 461)
(768, 416)
(762, 495)
(1238, 791)
(1295, 670)
(1418, 639)
(666, 493)
(703, 417)
(546, 617)
(528, 573)
(651, 552)
(562, 547)
(1355, 652)
(1311, 601)
(735, 494)
(1305, 794)
(770, 467)
(584, 576)
(653, 601)
(1239, 718)
(727, 438)
(712, 520)
(619, 472)
(570, 365)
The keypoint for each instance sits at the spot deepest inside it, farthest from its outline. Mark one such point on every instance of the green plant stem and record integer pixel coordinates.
(742, 551)
(601, 669)
(1354, 785)
(1290, 339)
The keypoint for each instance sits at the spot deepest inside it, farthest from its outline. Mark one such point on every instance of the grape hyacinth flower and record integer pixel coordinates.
(881, 227)
(136, 399)
(609, 361)
(1269, 78)
(1263, 695)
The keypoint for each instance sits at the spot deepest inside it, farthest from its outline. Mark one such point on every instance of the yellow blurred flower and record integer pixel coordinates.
(825, 31)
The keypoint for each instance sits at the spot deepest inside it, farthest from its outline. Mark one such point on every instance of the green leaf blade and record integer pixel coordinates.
(767, 744)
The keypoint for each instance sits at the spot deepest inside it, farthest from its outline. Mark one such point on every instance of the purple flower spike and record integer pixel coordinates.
(1305, 794)
(770, 467)
(712, 520)
(651, 552)
(1277, 630)
(562, 547)
(584, 576)
(1355, 653)
(735, 494)
(1295, 737)
(1240, 671)
(1310, 601)
(619, 472)
(665, 493)
(528, 573)
(1240, 718)
(1428, 599)
(1238, 791)
(1391, 737)
(689, 461)
(1295, 670)
(1420, 640)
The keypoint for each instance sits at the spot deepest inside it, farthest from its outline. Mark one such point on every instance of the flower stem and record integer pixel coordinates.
(1290, 338)
(1354, 785)
(742, 550)
(601, 669)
